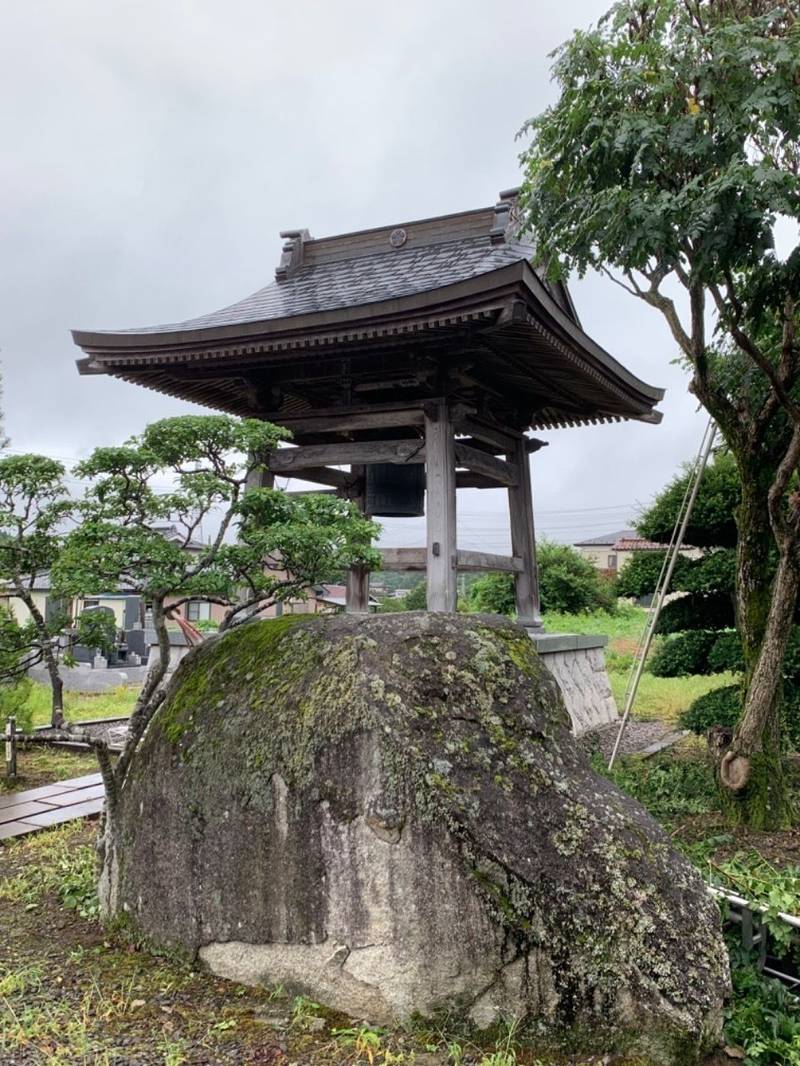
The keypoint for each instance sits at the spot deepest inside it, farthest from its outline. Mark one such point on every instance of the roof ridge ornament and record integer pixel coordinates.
(506, 217)
(292, 252)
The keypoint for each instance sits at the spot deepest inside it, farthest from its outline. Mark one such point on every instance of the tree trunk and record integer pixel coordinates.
(755, 792)
(57, 689)
(753, 560)
(50, 661)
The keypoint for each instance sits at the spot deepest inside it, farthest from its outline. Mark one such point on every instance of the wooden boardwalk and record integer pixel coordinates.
(41, 808)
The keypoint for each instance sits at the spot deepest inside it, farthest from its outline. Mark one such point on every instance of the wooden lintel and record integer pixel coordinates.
(346, 410)
(339, 479)
(480, 430)
(344, 423)
(497, 469)
(288, 460)
(403, 559)
(468, 479)
(467, 560)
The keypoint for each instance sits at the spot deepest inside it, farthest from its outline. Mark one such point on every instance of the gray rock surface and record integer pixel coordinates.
(391, 814)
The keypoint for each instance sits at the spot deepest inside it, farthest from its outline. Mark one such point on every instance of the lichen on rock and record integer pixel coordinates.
(390, 813)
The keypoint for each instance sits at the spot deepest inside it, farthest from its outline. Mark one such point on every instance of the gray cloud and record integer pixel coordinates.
(152, 152)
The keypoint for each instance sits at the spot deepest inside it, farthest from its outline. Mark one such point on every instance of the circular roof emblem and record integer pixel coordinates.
(397, 238)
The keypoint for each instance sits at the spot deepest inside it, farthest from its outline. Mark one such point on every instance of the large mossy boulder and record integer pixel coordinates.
(391, 814)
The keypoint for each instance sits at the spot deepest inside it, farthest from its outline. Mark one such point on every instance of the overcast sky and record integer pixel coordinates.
(152, 151)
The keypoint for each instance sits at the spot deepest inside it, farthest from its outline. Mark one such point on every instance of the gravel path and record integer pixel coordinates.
(637, 737)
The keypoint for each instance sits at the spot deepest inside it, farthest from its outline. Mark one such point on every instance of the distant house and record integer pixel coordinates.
(126, 607)
(324, 599)
(612, 552)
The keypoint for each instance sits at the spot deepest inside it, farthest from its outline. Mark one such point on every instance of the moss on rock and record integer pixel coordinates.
(367, 787)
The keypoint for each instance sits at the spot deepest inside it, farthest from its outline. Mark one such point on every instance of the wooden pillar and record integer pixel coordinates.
(357, 581)
(260, 478)
(440, 509)
(523, 539)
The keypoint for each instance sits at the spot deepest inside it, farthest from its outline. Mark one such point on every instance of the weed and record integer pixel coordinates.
(174, 1052)
(367, 1043)
(303, 1010)
(763, 1018)
(59, 868)
(17, 982)
(667, 786)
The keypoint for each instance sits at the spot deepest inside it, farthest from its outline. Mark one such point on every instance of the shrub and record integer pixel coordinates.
(493, 593)
(417, 598)
(569, 583)
(696, 610)
(684, 654)
(15, 700)
(726, 654)
(720, 706)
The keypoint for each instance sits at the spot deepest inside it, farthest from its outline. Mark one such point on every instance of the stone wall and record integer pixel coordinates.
(577, 662)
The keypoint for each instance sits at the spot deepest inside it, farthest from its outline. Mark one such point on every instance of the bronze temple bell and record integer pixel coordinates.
(394, 490)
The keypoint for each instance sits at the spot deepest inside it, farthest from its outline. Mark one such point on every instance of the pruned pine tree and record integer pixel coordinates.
(268, 547)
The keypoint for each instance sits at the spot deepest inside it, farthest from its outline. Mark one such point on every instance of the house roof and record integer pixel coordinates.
(378, 316)
(607, 539)
(639, 544)
(337, 595)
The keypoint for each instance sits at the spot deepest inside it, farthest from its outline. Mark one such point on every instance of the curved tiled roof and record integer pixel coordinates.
(361, 279)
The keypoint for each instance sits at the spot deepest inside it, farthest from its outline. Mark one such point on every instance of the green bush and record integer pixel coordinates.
(726, 654)
(720, 706)
(696, 610)
(417, 598)
(684, 654)
(493, 593)
(15, 700)
(569, 583)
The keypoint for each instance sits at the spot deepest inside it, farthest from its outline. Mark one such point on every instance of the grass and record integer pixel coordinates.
(626, 624)
(44, 765)
(658, 698)
(665, 698)
(115, 702)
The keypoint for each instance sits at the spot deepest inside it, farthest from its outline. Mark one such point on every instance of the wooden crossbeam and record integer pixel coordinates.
(477, 561)
(467, 479)
(344, 423)
(393, 559)
(480, 430)
(286, 460)
(481, 463)
(403, 559)
(323, 475)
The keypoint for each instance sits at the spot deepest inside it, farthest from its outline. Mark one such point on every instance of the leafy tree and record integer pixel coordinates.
(417, 598)
(283, 543)
(3, 438)
(493, 593)
(567, 582)
(666, 160)
(34, 507)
